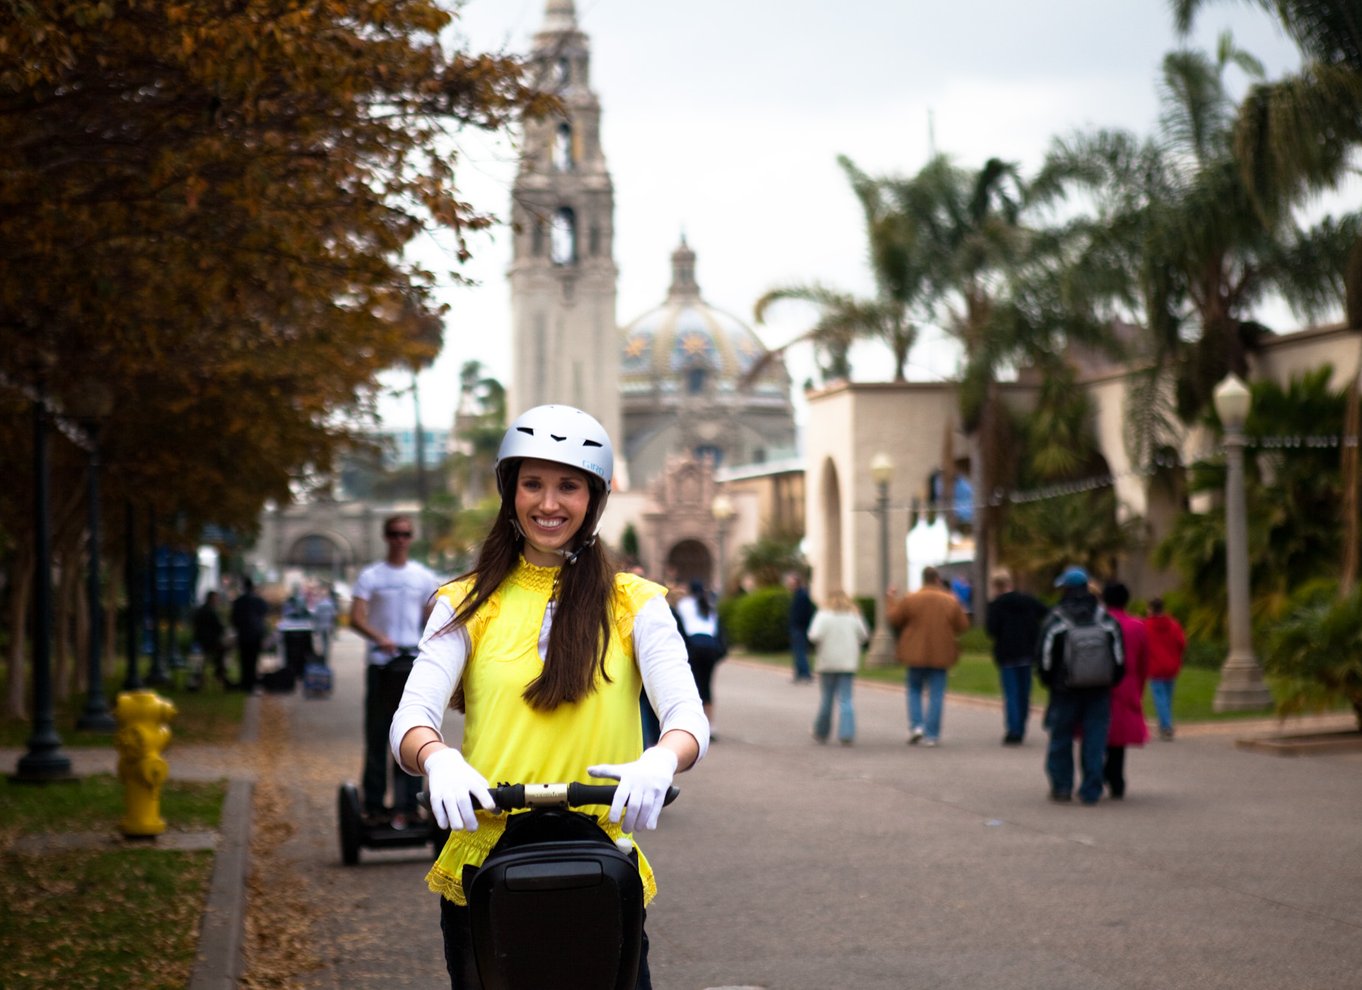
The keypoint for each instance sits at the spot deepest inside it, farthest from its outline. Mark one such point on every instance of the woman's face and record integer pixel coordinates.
(551, 501)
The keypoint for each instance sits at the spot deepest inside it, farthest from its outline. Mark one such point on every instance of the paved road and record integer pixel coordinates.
(791, 865)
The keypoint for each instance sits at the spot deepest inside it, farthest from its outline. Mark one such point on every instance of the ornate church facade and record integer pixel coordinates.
(686, 390)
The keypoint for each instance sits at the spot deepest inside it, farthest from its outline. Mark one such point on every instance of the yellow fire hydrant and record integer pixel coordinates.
(142, 734)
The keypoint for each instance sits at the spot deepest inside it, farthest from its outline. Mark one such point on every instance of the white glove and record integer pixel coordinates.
(642, 788)
(452, 785)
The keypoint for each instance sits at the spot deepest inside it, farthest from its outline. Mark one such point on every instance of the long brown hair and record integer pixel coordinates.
(580, 635)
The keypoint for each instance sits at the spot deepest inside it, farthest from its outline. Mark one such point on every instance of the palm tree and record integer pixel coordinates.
(1296, 134)
(898, 268)
(1172, 240)
(1065, 517)
(995, 285)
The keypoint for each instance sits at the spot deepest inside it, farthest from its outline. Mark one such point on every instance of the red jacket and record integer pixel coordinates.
(1167, 642)
(1127, 697)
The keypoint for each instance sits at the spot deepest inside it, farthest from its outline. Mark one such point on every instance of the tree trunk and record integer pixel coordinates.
(1352, 420)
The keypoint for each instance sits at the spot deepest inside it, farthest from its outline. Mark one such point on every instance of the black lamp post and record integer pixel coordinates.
(157, 676)
(96, 716)
(44, 760)
(132, 681)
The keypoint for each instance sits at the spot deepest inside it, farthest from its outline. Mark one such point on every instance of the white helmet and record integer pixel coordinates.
(561, 434)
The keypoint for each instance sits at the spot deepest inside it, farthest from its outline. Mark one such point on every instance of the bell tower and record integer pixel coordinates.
(565, 344)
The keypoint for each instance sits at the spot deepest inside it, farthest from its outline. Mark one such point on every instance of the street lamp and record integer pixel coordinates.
(881, 653)
(1241, 685)
(94, 407)
(132, 680)
(44, 759)
(723, 511)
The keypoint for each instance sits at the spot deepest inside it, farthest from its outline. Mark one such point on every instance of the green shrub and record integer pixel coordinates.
(728, 610)
(1204, 654)
(975, 639)
(1315, 653)
(867, 606)
(761, 620)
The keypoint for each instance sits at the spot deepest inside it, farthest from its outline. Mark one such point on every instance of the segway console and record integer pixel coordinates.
(556, 903)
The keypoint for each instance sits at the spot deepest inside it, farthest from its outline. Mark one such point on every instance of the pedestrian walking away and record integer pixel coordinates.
(544, 645)
(1013, 621)
(930, 621)
(324, 622)
(1167, 644)
(1127, 696)
(249, 614)
(209, 633)
(1079, 658)
(705, 643)
(392, 599)
(801, 614)
(838, 632)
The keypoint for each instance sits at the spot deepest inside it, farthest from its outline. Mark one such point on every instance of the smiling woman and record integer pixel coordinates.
(551, 502)
(546, 647)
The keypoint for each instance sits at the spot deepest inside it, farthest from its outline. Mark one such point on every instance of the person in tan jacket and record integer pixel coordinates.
(928, 621)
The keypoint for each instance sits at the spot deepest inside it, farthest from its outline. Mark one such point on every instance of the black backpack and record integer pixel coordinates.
(1089, 660)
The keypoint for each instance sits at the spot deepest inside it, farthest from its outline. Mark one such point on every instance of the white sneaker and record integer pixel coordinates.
(915, 736)
(931, 743)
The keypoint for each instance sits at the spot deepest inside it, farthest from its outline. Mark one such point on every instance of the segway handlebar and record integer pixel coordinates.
(511, 797)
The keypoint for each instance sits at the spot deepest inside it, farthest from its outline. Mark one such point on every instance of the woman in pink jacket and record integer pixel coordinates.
(1127, 697)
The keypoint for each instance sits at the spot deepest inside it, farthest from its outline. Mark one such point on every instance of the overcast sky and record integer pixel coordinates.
(725, 119)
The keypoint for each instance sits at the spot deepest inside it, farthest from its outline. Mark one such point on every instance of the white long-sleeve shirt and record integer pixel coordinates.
(658, 649)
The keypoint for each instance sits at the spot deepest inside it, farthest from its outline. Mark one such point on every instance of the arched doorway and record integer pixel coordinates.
(317, 556)
(690, 560)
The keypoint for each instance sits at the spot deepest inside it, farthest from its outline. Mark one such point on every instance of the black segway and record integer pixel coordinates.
(556, 903)
(355, 832)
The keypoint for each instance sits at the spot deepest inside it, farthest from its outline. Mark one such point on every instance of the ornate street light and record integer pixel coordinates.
(96, 402)
(881, 653)
(1241, 685)
(44, 759)
(132, 680)
(723, 511)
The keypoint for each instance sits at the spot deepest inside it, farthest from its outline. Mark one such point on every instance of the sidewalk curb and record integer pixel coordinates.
(220, 959)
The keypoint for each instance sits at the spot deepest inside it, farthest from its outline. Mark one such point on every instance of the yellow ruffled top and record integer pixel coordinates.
(510, 742)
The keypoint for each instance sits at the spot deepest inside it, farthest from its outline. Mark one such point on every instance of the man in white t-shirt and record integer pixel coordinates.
(392, 599)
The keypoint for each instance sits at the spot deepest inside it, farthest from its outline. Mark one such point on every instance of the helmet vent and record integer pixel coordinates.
(529, 430)
(557, 437)
(590, 443)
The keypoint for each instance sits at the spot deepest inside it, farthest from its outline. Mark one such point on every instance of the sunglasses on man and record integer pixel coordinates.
(398, 534)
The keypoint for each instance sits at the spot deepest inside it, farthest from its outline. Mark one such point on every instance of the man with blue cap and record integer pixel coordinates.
(1079, 657)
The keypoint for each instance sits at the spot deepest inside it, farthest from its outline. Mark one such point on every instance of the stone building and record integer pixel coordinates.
(684, 390)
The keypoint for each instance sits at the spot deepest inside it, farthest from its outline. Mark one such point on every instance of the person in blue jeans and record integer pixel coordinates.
(801, 614)
(1076, 710)
(838, 632)
(929, 623)
(1013, 621)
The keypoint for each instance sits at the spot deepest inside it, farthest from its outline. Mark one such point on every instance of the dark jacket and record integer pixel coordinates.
(249, 613)
(1080, 606)
(1013, 620)
(208, 628)
(801, 609)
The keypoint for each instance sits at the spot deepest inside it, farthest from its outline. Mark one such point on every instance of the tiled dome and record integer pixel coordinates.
(685, 336)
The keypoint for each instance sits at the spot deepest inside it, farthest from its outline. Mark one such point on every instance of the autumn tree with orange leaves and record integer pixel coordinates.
(204, 208)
